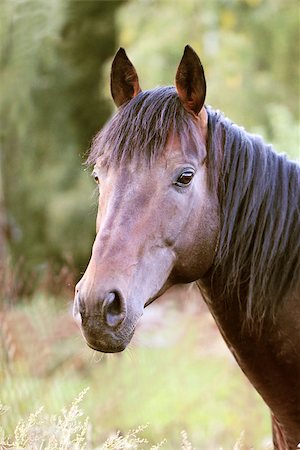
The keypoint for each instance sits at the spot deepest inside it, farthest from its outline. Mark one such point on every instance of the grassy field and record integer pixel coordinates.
(177, 375)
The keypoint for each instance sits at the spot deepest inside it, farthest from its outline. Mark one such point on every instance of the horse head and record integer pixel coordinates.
(157, 221)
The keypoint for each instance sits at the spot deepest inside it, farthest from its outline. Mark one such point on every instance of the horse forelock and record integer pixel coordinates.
(258, 256)
(141, 128)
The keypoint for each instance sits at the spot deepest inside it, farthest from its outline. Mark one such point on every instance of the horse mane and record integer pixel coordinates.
(258, 256)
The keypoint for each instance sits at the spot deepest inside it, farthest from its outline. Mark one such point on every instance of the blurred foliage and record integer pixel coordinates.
(55, 95)
(249, 50)
(51, 106)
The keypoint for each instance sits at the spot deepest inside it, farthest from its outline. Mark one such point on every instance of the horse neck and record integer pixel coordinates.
(266, 349)
(270, 358)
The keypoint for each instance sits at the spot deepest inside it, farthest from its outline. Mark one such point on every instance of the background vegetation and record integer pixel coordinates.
(55, 59)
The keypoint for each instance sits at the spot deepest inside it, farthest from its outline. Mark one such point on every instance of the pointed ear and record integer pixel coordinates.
(190, 81)
(124, 82)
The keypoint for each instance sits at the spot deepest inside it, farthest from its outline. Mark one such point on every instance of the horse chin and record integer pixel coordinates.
(112, 342)
(105, 345)
(107, 348)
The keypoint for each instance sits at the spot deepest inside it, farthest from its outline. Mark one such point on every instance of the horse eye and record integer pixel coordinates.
(185, 178)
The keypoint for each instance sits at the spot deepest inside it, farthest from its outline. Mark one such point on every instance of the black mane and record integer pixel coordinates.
(258, 256)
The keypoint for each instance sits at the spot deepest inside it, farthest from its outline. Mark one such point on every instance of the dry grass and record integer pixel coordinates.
(66, 431)
(177, 382)
(71, 431)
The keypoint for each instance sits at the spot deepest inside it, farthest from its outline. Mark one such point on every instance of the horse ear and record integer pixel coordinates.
(124, 82)
(190, 81)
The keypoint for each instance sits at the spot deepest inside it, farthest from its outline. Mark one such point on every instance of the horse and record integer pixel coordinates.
(185, 195)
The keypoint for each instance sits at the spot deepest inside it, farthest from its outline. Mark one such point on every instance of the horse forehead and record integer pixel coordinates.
(129, 182)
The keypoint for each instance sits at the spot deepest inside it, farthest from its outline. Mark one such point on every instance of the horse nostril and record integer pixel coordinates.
(113, 309)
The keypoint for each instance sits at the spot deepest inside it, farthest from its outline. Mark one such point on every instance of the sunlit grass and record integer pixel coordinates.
(171, 387)
(70, 431)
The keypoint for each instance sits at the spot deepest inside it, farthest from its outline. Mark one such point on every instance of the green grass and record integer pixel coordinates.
(171, 388)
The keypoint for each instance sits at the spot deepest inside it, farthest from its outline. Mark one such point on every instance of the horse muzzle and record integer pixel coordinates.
(106, 325)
